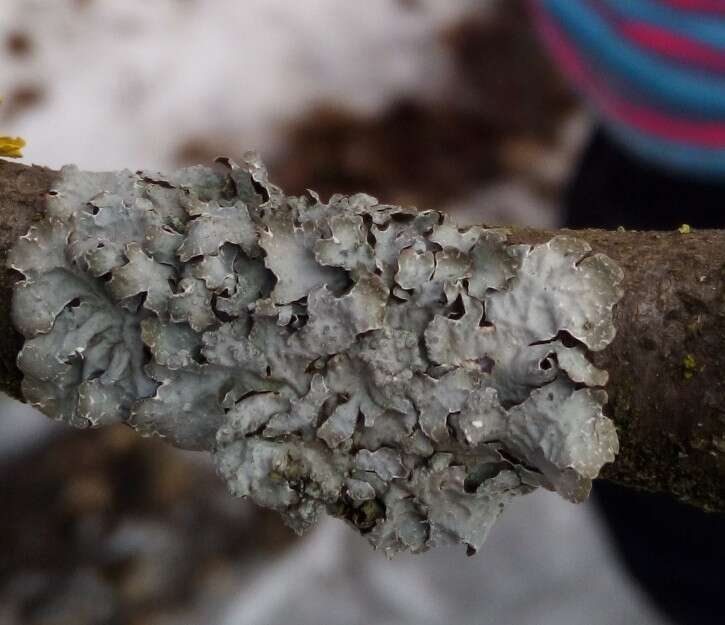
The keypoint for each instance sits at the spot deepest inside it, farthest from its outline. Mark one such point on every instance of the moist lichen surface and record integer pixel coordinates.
(371, 361)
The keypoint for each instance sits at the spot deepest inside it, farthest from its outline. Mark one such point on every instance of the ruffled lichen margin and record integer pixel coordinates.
(380, 363)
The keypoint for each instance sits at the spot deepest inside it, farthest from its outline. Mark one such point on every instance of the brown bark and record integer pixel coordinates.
(22, 199)
(666, 365)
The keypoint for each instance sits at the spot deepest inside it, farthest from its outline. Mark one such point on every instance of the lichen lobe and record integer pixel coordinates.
(383, 365)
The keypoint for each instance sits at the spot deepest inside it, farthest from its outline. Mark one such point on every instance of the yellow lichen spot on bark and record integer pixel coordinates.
(689, 365)
(11, 147)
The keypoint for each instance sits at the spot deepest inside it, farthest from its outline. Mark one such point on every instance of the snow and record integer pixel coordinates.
(128, 79)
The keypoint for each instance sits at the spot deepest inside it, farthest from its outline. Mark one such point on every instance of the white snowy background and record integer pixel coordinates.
(119, 84)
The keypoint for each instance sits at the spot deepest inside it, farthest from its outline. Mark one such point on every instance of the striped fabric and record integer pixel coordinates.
(654, 70)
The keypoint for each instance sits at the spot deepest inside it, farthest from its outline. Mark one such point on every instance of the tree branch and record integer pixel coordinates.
(22, 200)
(666, 389)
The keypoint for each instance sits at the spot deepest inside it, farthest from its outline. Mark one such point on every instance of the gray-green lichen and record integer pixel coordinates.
(382, 364)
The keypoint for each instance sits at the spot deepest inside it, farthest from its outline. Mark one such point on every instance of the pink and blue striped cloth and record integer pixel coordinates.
(654, 70)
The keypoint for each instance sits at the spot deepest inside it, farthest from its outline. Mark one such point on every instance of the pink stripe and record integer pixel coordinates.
(706, 6)
(674, 46)
(704, 134)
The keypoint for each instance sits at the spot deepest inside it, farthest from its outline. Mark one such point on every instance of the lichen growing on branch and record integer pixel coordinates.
(11, 147)
(382, 364)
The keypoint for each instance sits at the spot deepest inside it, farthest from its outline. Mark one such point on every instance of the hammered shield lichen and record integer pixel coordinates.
(377, 363)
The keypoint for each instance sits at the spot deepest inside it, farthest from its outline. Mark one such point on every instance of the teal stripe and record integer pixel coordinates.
(703, 28)
(700, 162)
(681, 90)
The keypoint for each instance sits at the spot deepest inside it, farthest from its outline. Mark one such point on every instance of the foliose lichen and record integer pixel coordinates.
(382, 364)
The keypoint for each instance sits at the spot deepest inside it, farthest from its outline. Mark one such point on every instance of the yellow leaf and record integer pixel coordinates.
(11, 147)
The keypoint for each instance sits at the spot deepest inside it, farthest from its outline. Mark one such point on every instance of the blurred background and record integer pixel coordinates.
(451, 105)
